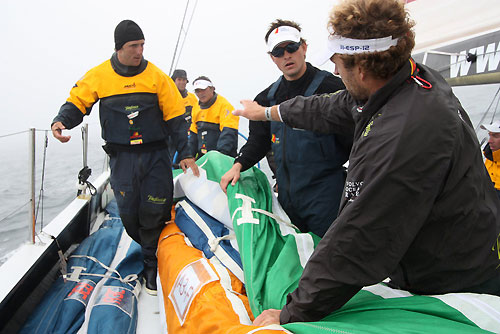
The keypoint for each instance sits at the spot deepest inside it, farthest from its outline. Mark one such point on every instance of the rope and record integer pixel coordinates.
(186, 32)
(487, 111)
(17, 133)
(126, 280)
(176, 57)
(178, 39)
(40, 195)
(213, 243)
(13, 134)
(468, 58)
(83, 176)
(15, 211)
(496, 107)
(40, 204)
(267, 213)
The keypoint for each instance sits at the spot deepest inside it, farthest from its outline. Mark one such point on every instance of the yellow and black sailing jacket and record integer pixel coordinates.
(214, 128)
(141, 109)
(190, 101)
(492, 163)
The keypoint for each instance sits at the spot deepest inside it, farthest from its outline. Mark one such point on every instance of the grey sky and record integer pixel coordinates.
(48, 45)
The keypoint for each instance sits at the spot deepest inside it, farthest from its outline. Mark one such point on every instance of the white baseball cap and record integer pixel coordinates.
(202, 84)
(494, 127)
(282, 34)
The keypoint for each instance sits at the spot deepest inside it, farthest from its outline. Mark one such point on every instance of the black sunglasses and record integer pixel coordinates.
(290, 48)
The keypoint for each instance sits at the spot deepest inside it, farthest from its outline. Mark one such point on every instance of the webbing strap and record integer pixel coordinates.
(218, 251)
(318, 79)
(225, 281)
(214, 243)
(267, 213)
(78, 272)
(272, 92)
(311, 89)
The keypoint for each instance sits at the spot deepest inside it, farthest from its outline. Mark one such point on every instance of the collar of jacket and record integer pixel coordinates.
(209, 103)
(127, 71)
(184, 93)
(377, 100)
(303, 80)
(491, 155)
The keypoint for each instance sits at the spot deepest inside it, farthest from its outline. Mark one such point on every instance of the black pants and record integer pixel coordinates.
(142, 184)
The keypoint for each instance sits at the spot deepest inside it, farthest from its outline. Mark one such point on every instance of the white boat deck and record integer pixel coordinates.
(149, 314)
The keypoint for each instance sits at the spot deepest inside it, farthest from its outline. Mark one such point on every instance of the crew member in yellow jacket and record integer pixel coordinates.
(180, 79)
(213, 126)
(139, 107)
(492, 153)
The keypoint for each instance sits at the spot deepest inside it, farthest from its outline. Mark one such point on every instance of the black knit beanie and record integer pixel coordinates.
(126, 31)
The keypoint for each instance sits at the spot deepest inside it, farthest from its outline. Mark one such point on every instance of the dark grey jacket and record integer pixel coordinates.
(418, 204)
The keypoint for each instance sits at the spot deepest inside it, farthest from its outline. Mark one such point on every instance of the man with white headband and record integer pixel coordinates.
(213, 126)
(310, 178)
(418, 203)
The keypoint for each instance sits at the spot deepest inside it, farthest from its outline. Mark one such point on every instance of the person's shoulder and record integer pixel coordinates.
(223, 101)
(261, 98)
(104, 65)
(150, 67)
(99, 70)
(332, 83)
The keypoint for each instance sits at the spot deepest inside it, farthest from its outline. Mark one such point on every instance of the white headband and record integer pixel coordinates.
(202, 84)
(350, 46)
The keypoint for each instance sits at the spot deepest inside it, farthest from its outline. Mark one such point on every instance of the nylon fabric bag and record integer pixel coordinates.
(208, 235)
(274, 255)
(201, 295)
(272, 251)
(67, 307)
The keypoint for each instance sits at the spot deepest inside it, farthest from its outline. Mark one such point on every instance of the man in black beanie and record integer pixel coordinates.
(125, 31)
(140, 106)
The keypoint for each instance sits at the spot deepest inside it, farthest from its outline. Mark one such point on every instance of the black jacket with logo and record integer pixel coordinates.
(418, 204)
(309, 170)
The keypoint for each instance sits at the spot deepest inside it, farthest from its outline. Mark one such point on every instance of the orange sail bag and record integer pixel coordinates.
(200, 295)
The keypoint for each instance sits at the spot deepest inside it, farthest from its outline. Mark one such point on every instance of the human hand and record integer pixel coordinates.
(57, 128)
(268, 317)
(189, 163)
(251, 110)
(232, 175)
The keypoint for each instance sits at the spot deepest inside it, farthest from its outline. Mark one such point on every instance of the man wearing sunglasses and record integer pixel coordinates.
(309, 166)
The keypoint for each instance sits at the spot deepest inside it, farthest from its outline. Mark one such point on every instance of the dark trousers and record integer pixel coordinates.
(142, 184)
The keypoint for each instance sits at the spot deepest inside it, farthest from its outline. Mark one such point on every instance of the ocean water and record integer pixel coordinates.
(61, 163)
(64, 161)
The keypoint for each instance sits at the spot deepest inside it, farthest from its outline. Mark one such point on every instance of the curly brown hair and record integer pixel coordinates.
(279, 23)
(367, 19)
